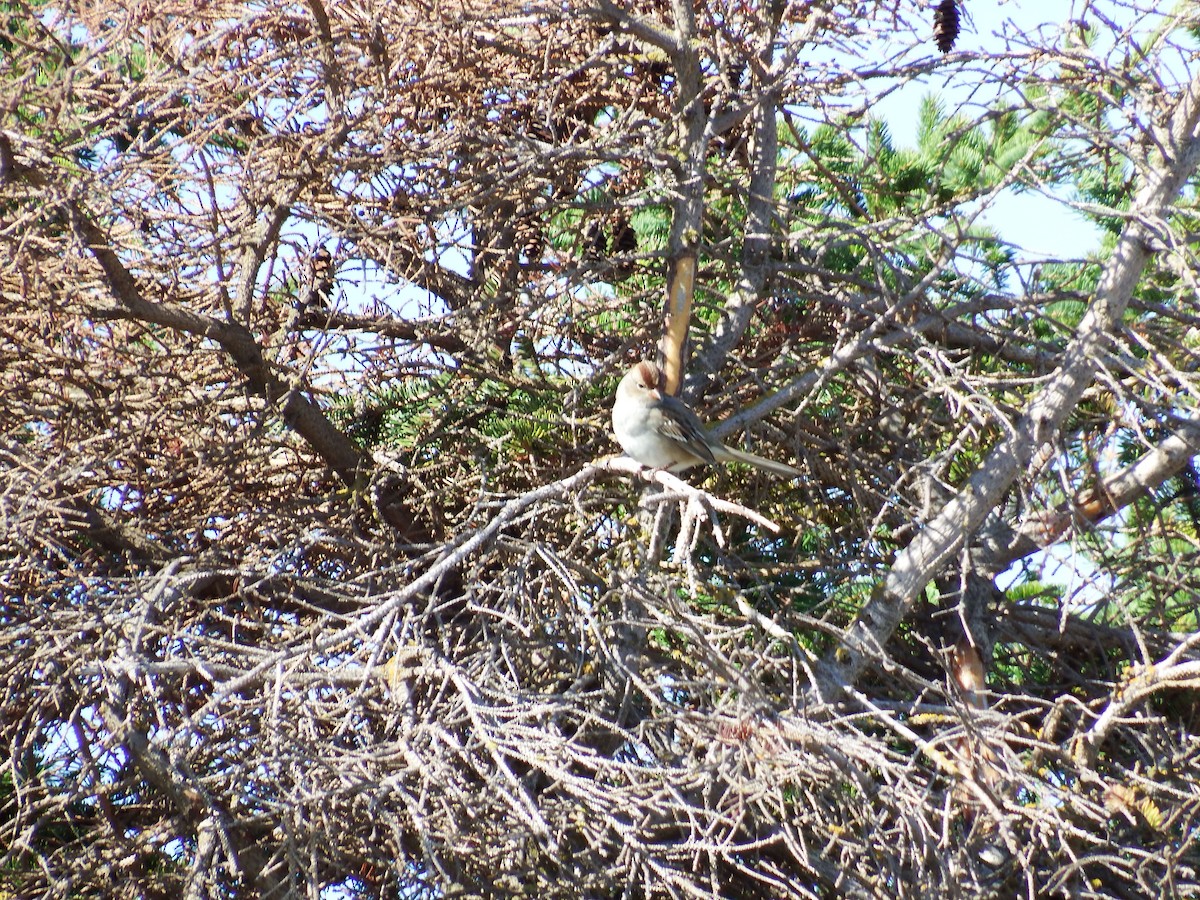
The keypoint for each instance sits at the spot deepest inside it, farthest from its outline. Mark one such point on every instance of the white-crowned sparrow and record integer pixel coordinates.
(661, 432)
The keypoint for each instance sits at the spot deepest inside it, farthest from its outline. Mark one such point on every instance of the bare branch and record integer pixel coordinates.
(1039, 425)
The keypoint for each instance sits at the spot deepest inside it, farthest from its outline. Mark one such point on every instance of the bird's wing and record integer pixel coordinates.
(681, 424)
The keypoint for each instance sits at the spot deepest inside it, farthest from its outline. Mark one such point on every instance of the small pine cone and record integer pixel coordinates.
(946, 25)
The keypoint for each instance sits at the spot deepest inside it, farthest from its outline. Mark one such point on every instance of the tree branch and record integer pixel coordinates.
(1003, 544)
(296, 410)
(641, 28)
(1029, 443)
(759, 237)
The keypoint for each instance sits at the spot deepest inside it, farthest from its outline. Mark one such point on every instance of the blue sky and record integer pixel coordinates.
(1042, 226)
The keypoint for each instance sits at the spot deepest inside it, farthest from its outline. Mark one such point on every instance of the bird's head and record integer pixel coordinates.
(642, 381)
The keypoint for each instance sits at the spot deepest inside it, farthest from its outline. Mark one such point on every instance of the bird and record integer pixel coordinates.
(316, 287)
(660, 431)
(321, 277)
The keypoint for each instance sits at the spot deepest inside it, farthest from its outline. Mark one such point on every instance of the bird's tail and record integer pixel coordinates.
(783, 470)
